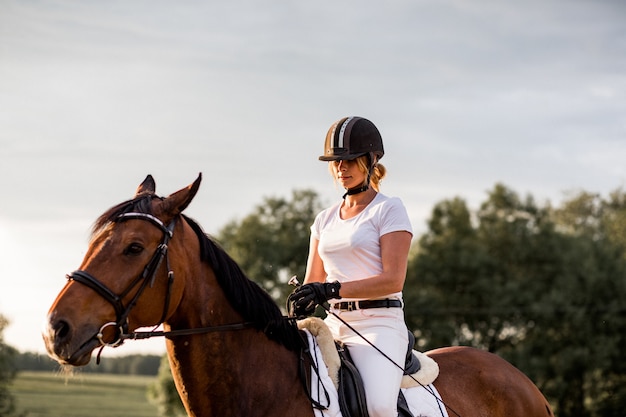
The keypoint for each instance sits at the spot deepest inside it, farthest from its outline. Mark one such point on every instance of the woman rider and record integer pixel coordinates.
(358, 260)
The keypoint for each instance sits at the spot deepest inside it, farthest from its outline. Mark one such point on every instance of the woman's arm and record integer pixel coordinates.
(314, 265)
(394, 248)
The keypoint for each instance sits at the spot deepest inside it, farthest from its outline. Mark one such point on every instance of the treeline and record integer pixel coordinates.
(128, 365)
(542, 286)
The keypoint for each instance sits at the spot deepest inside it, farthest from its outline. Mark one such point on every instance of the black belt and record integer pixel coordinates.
(356, 305)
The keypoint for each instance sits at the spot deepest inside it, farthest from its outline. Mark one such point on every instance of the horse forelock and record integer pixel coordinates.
(141, 204)
(246, 296)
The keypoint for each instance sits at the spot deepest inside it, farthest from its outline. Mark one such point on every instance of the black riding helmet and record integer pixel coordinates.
(349, 138)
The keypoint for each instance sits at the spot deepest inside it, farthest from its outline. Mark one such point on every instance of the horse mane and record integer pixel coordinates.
(245, 296)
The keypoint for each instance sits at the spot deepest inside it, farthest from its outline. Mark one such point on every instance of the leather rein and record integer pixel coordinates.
(147, 277)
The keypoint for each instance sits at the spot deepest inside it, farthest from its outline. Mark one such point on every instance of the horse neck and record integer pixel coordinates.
(203, 303)
(237, 372)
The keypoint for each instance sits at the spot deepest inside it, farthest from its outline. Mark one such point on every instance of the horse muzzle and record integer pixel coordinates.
(68, 346)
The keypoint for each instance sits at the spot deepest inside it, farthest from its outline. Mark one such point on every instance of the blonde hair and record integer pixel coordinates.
(378, 173)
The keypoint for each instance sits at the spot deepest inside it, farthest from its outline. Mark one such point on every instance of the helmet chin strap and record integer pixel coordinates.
(355, 190)
(366, 186)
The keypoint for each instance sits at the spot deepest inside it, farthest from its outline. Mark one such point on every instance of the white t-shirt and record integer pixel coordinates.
(350, 248)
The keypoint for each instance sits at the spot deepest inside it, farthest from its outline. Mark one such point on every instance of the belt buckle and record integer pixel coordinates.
(353, 305)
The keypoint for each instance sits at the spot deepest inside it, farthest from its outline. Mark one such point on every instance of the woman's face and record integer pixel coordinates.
(348, 173)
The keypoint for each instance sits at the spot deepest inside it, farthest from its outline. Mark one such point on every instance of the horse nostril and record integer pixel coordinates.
(61, 329)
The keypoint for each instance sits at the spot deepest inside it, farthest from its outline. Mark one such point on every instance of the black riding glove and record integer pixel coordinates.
(303, 300)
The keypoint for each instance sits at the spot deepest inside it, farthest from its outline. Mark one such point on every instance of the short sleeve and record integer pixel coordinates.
(394, 218)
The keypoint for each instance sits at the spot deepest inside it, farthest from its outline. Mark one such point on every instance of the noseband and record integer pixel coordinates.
(146, 277)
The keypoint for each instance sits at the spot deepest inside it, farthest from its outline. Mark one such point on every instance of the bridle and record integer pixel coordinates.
(147, 277)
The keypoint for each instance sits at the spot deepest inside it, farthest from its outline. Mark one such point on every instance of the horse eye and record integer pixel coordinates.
(133, 249)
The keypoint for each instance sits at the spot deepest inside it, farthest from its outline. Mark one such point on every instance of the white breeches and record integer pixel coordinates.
(386, 329)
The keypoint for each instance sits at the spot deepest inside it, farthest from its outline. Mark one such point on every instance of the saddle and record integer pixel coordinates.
(419, 369)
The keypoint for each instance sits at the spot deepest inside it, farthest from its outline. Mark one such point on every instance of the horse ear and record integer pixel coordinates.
(178, 201)
(148, 186)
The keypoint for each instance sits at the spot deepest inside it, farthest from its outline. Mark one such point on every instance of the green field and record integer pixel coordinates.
(48, 394)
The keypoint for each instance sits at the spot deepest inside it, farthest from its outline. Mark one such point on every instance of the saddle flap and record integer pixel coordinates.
(351, 392)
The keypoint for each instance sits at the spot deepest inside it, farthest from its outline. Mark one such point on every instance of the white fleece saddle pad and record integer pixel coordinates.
(422, 396)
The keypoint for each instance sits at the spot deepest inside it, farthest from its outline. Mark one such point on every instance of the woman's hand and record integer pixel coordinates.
(303, 300)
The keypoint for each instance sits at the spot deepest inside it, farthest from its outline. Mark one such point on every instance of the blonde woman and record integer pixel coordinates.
(357, 262)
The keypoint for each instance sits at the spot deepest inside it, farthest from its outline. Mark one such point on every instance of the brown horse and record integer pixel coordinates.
(232, 353)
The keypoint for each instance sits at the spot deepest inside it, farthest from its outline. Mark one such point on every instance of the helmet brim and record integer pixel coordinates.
(341, 157)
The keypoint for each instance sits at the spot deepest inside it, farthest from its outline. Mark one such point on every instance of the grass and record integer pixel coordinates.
(50, 394)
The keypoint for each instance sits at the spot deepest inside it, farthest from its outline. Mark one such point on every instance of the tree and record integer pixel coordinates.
(468, 283)
(129, 364)
(271, 243)
(592, 360)
(163, 392)
(447, 259)
(7, 372)
(544, 288)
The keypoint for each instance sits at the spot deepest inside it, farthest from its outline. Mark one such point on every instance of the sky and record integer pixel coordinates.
(95, 95)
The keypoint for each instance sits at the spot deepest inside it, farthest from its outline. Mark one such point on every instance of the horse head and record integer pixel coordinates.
(126, 279)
